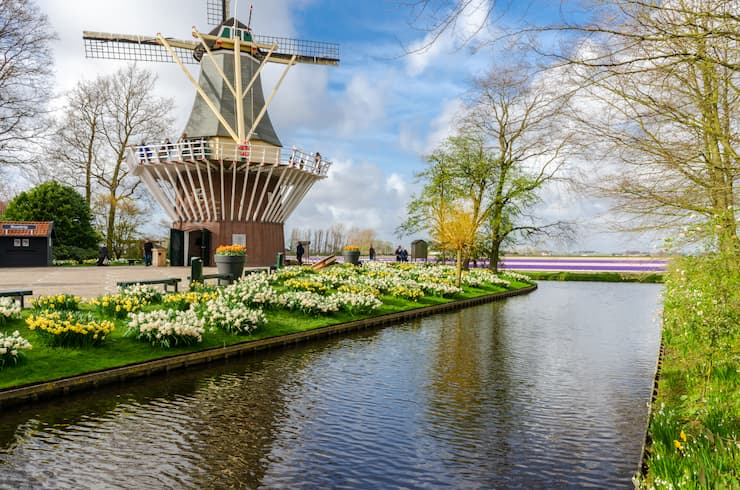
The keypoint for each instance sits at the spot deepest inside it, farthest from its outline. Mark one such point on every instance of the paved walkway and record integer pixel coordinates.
(87, 282)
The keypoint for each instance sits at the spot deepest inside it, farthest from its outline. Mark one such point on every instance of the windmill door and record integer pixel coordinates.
(177, 247)
(205, 247)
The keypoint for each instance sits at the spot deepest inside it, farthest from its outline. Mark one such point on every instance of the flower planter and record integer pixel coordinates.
(351, 257)
(231, 264)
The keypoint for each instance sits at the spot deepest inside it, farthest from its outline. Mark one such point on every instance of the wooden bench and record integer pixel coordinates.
(219, 277)
(168, 281)
(17, 293)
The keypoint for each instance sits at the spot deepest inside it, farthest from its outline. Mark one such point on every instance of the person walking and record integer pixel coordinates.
(103, 255)
(372, 253)
(299, 253)
(148, 252)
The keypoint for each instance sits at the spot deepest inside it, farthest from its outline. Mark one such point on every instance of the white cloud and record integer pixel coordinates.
(443, 49)
(356, 195)
(395, 183)
(444, 125)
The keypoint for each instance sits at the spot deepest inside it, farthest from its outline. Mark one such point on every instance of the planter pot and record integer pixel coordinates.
(351, 257)
(231, 264)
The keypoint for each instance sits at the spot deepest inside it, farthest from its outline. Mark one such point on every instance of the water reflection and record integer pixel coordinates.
(546, 390)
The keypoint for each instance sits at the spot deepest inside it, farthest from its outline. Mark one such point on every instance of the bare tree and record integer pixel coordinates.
(130, 217)
(364, 238)
(25, 75)
(77, 143)
(659, 92)
(438, 17)
(102, 118)
(665, 80)
(131, 111)
(523, 120)
(512, 143)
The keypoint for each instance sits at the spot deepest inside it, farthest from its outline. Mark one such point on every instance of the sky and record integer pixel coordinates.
(375, 116)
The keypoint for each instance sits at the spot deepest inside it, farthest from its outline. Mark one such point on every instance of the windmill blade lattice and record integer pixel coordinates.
(102, 45)
(314, 52)
(217, 11)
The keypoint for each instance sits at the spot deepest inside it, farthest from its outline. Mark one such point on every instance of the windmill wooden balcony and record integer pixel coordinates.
(200, 180)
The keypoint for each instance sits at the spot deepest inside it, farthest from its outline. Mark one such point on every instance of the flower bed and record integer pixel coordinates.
(11, 348)
(117, 305)
(237, 319)
(167, 328)
(143, 292)
(231, 250)
(69, 328)
(182, 301)
(9, 309)
(67, 302)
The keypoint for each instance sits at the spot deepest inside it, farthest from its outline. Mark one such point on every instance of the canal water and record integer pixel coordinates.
(546, 390)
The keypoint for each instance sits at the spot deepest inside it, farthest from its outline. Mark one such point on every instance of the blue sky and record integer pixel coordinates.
(374, 116)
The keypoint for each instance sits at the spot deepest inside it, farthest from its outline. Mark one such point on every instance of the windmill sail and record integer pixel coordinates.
(217, 11)
(129, 47)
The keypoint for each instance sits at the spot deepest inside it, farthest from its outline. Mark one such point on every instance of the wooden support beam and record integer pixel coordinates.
(269, 99)
(200, 90)
(259, 70)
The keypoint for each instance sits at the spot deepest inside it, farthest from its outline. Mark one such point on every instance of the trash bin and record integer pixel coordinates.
(279, 261)
(159, 257)
(196, 269)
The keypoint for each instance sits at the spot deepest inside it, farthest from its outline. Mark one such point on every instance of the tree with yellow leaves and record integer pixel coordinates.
(454, 225)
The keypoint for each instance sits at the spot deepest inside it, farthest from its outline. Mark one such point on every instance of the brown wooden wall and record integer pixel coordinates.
(264, 240)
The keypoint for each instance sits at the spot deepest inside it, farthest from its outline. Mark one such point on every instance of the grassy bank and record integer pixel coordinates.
(646, 277)
(694, 434)
(397, 288)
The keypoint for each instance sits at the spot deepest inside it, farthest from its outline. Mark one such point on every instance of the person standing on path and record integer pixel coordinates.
(103, 255)
(299, 253)
(148, 252)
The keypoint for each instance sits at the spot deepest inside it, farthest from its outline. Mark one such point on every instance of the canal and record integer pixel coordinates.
(546, 390)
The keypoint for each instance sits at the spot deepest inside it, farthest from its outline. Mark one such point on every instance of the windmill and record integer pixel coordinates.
(227, 179)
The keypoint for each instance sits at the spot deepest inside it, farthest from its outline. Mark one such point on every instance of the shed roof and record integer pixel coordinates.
(26, 228)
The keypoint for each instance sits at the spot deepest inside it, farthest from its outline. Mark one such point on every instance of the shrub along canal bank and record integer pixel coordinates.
(88, 344)
(694, 433)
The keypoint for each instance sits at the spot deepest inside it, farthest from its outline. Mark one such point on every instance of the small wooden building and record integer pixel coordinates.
(25, 243)
(419, 250)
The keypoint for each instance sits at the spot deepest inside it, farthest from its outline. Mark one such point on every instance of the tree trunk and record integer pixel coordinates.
(494, 256)
(111, 224)
(458, 272)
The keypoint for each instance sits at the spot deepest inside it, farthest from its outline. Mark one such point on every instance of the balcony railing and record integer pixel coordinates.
(199, 149)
